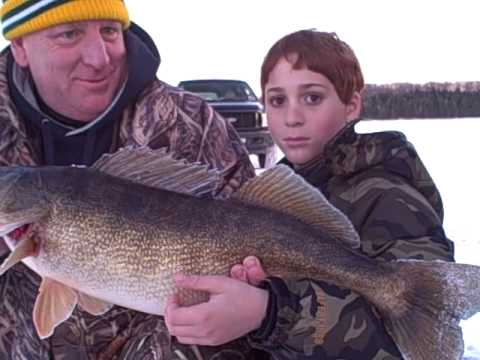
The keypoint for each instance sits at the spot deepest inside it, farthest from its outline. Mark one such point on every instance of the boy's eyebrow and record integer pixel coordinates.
(307, 86)
(302, 86)
(275, 89)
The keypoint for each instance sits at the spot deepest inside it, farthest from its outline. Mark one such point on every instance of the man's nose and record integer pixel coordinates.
(95, 52)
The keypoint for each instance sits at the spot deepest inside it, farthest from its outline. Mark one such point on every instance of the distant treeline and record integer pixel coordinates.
(417, 101)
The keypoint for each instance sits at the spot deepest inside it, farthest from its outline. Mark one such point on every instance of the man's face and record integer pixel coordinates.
(77, 67)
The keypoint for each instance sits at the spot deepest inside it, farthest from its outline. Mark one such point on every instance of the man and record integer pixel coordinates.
(79, 81)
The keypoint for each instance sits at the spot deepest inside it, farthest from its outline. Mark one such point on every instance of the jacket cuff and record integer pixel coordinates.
(279, 297)
(268, 323)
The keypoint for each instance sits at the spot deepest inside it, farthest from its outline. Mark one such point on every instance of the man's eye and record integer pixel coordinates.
(276, 100)
(69, 35)
(110, 32)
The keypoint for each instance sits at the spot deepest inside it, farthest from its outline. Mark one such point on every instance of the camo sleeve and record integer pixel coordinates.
(310, 319)
(228, 148)
(185, 124)
(215, 141)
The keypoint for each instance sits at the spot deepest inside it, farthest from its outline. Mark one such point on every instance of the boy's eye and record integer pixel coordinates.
(313, 98)
(276, 101)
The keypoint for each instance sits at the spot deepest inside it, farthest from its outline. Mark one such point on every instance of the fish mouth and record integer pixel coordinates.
(7, 228)
(17, 233)
(14, 231)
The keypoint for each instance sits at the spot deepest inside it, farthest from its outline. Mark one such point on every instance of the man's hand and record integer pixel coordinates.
(234, 309)
(250, 271)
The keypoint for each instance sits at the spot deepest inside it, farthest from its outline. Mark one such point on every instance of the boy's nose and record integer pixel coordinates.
(294, 116)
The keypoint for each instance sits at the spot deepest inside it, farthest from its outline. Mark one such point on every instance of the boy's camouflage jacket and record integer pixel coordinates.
(380, 183)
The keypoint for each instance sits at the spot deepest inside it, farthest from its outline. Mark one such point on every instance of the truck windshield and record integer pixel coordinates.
(220, 90)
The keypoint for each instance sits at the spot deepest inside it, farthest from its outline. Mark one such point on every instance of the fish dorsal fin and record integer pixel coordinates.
(55, 303)
(279, 188)
(93, 305)
(25, 248)
(159, 169)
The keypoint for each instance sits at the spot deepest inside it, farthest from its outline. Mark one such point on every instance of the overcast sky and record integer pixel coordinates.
(395, 41)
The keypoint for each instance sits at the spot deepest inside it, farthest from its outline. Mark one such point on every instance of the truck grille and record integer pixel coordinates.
(241, 120)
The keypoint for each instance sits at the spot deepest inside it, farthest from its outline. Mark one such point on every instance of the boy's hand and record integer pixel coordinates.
(234, 309)
(250, 271)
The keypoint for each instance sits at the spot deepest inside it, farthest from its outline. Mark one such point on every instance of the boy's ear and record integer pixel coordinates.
(354, 107)
(19, 53)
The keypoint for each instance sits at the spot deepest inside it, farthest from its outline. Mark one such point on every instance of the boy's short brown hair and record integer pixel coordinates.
(320, 52)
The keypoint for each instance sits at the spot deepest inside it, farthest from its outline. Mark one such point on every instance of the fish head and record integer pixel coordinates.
(22, 201)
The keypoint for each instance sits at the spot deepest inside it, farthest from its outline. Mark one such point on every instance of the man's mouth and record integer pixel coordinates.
(94, 81)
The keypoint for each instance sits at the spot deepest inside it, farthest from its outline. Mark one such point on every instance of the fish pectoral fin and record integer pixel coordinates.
(25, 248)
(93, 305)
(55, 303)
(279, 188)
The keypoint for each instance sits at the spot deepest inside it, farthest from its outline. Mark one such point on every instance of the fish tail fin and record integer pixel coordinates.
(436, 296)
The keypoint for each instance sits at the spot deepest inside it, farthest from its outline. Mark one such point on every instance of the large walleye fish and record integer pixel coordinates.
(116, 233)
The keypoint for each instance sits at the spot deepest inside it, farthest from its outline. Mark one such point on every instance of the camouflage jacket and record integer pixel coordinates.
(380, 183)
(160, 116)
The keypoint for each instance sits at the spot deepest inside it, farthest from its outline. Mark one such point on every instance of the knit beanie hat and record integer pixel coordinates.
(20, 17)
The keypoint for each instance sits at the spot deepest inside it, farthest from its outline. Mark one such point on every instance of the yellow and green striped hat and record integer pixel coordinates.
(20, 17)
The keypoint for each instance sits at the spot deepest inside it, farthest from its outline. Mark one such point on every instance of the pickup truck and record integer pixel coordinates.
(236, 102)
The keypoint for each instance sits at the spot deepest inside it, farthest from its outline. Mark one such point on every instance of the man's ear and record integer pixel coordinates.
(19, 52)
(354, 107)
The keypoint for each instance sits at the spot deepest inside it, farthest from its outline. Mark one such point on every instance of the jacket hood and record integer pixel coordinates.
(350, 155)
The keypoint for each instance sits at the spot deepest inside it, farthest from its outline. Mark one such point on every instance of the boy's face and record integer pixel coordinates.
(304, 111)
